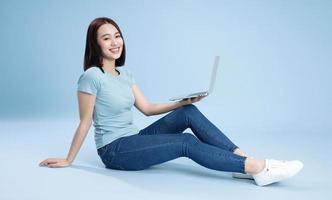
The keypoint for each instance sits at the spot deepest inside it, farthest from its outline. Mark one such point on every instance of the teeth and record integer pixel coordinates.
(115, 50)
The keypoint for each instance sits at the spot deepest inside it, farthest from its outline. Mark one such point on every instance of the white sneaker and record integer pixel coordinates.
(276, 171)
(242, 176)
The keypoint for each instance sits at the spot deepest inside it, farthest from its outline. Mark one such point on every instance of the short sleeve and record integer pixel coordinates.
(88, 83)
(132, 79)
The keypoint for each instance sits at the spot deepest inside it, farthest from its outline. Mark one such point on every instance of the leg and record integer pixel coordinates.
(139, 152)
(190, 117)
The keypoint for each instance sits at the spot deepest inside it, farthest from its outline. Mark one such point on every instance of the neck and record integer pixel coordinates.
(109, 65)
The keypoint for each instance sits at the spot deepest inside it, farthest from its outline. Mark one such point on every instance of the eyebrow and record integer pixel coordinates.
(109, 34)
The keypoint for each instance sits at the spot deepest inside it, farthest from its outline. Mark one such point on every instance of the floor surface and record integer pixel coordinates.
(24, 143)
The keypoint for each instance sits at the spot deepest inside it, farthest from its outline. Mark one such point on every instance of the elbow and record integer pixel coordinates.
(148, 110)
(146, 113)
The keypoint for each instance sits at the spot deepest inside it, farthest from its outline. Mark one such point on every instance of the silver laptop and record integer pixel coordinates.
(204, 93)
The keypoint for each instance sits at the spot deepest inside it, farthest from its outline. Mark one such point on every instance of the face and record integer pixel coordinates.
(110, 41)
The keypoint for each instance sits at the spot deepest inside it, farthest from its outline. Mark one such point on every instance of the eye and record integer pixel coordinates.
(106, 38)
(117, 36)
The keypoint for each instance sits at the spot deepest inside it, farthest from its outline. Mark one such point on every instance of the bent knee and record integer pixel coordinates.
(190, 109)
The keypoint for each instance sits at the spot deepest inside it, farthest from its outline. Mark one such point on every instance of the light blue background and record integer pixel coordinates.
(275, 56)
(274, 84)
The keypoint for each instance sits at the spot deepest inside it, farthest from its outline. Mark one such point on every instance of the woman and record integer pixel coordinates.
(106, 94)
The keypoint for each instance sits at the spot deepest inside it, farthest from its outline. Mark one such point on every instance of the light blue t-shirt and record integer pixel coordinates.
(112, 114)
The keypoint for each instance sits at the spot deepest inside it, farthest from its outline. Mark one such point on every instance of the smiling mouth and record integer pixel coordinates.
(115, 50)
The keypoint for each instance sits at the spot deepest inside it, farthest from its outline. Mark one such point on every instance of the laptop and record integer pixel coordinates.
(204, 93)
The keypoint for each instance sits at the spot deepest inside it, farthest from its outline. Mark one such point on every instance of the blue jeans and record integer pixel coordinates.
(164, 140)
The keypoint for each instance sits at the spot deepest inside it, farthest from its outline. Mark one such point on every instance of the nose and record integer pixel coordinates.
(114, 42)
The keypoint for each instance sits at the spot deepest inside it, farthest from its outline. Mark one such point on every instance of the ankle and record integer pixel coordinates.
(260, 166)
(254, 166)
(239, 152)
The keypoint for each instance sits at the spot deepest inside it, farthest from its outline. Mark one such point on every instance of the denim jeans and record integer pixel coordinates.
(164, 140)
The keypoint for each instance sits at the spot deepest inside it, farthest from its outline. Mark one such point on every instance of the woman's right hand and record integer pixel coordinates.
(55, 163)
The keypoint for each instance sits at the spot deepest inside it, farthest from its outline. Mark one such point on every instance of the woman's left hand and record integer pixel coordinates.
(191, 100)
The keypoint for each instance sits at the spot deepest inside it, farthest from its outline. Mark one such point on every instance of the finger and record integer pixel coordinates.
(195, 99)
(53, 165)
(200, 98)
(47, 162)
(43, 164)
(52, 160)
(56, 165)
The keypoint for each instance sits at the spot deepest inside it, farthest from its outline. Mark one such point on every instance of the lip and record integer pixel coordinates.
(114, 50)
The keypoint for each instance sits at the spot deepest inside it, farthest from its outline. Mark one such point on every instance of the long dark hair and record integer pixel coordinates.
(93, 56)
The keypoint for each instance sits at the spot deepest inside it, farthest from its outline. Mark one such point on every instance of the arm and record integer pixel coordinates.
(86, 105)
(147, 108)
